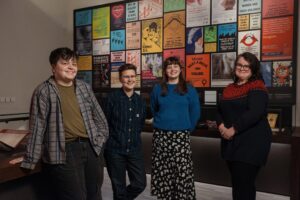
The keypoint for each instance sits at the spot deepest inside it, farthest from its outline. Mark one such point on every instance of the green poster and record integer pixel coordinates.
(101, 25)
(171, 5)
(210, 34)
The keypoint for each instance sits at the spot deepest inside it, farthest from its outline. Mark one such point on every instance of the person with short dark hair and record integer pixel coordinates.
(68, 130)
(125, 111)
(243, 125)
(176, 109)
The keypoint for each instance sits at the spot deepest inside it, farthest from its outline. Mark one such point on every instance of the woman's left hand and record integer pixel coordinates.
(228, 133)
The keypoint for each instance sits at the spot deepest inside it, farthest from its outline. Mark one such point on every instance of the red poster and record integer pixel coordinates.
(198, 70)
(275, 8)
(277, 38)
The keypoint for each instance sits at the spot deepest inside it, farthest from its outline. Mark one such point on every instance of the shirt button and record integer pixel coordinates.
(127, 150)
(129, 99)
(128, 140)
(130, 109)
(130, 119)
(129, 129)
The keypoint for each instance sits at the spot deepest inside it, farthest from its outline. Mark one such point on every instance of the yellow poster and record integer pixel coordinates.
(174, 30)
(84, 63)
(101, 23)
(152, 36)
(243, 23)
(210, 47)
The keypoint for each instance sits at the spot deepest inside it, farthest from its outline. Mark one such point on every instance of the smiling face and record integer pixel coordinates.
(64, 71)
(128, 79)
(173, 71)
(243, 70)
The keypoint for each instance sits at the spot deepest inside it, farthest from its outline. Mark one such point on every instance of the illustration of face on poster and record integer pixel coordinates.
(118, 17)
(194, 40)
(152, 36)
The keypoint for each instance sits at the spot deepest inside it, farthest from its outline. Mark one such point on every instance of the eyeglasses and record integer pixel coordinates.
(128, 77)
(244, 67)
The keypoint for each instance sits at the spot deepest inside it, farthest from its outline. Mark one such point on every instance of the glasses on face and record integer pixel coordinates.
(243, 67)
(128, 77)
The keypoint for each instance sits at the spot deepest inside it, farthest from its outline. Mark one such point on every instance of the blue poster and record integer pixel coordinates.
(227, 37)
(117, 40)
(83, 17)
(85, 76)
(131, 11)
(194, 40)
(265, 69)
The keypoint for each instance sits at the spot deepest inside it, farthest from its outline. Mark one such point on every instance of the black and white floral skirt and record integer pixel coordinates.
(172, 174)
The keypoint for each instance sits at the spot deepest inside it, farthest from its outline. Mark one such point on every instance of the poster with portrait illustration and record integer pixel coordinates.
(85, 76)
(149, 9)
(132, 11)
(222, 65)
(134, 57)
(173, 5)
(101, 47)
(117, 18)
(276, 8)
(249, 6)
(133, 35)
(194, 40)
(117, 40)
(83, 17)
(101, 72)
(282, 74)
(83, 37)
(249, 41)
(114, 75)
(227, 37)
(174, 30)
(152, 36)
(277, 38)
(197, 13)
(151, 69)
(117, 56)
(223, 11)
(198, 70)
(101, 22)
(266, 71)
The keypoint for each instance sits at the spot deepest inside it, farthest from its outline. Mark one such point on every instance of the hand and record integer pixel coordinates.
(222, 129)
(16, 160)
(229, 133)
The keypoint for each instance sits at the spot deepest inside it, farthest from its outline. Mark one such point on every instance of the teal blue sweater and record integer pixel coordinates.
(175, 112)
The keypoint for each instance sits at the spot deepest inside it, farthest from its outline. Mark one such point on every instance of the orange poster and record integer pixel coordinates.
(277, 38)
(275, 8)
(84, 63)
(198, 70)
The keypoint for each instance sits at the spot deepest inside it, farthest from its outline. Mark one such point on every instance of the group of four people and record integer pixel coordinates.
(71, 133)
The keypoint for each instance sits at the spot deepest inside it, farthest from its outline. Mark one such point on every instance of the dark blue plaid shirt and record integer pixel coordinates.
(125, 116)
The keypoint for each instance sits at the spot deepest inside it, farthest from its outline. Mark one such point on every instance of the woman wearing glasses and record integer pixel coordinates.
(176, 110)
(243, 125)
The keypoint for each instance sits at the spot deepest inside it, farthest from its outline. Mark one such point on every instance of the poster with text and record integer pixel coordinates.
(174, 5)
(101, 47)
(275, 8)
(151, 69)
(83, 17)
(223, 11)
(227, 37)
(222, 65)
(117, 40)
(249, 41)
(282, 74)
(197, 13)
(132, 11)
(133, 35)
(255, 21)
(249, 6)
(277, 38)
(101, 72)
(84, 63)
(194, 40)
(117, 56)
(210, 34)
(85, 76)
(198, 70)
(149, 9)
(101, 23)
(83, 40)
(114, 75)
(178, 53)
(134, 57)
(266, 71)
(117, 17)
(152, 36)
(174, 30)
(243, 23)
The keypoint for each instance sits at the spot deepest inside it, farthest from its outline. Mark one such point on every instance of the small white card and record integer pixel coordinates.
(210, 97)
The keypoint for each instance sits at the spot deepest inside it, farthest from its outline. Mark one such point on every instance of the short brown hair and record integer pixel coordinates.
(126, 66)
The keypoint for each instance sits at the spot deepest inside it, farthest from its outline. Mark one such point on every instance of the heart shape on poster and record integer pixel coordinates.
(118, 11)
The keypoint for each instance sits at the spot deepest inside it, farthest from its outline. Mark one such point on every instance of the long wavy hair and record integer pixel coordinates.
(181, 86)
(254, 65)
